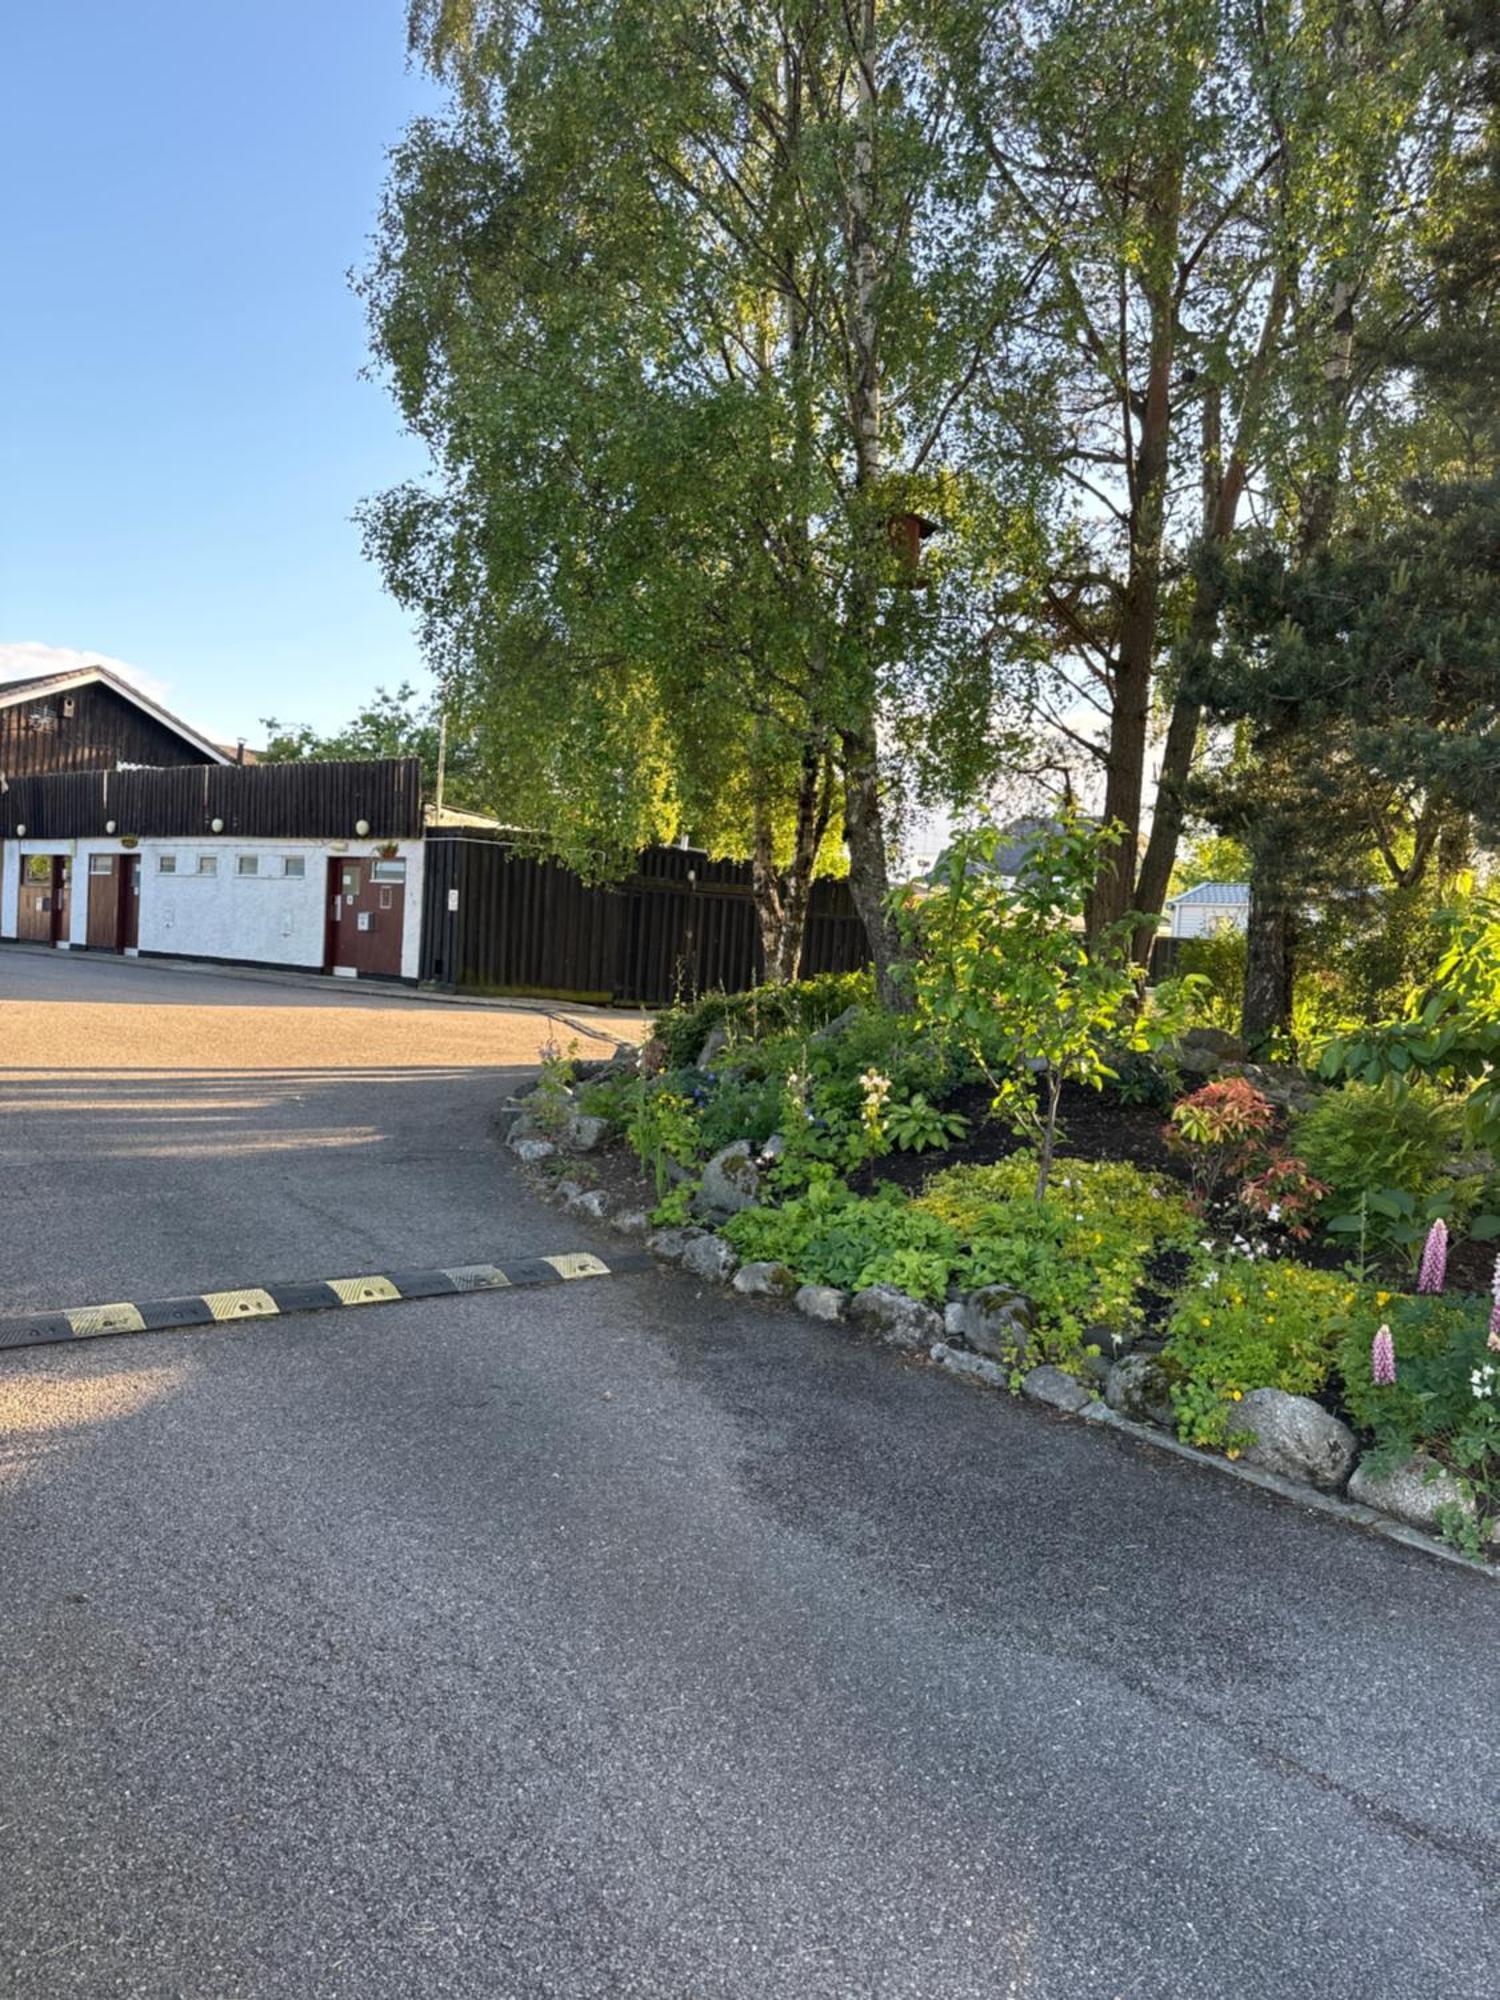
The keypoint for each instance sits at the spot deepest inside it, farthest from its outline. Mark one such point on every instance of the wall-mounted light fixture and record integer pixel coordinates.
(216, 826)
(109, 826)
(361, 827)
(20, 830)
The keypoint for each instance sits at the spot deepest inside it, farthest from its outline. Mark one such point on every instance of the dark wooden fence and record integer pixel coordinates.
(498, 920)
(261, 801)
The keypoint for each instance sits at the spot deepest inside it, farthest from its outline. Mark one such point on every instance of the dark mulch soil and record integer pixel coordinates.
(1093, 1125)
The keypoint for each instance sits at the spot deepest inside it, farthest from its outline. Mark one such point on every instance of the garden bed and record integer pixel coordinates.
(1180, 1261)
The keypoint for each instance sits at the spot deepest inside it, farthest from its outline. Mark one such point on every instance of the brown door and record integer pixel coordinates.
(130, 902)
(366, 910)
(104, 902)
(42, 909)
(34, 908)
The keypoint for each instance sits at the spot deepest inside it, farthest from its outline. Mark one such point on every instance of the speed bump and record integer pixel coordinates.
(279, 1301)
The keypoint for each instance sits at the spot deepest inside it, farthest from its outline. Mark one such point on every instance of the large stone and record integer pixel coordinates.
(714, 1045)
(731, 1181)
(825, 1302)
(1295, 1437)
(1137, 1387)
(631, 1222)
(671, 1245)
(997, 1321)
(765, 1281)
(1415, 1492)
(593, 1203)
(1050, 1385)
(972, 1365)
(838, 1025)
(710, 1258)
(1205, 1051)
(585, 1134)
(903, 1322)
(532, 1151)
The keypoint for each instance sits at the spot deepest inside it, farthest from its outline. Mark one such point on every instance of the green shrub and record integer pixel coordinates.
(1366, 1137)
(738, 1106)
(831, 1236)
(1445, 1400)
(1240, 1325)
(801, 1007)
(1218, 961)
(1080, 1254)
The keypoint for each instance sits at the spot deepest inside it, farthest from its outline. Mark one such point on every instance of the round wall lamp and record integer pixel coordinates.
(109, 826)
(361, 827)
(216, 826)
(20, 829)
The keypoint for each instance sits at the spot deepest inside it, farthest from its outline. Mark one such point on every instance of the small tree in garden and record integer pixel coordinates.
(1003, 965)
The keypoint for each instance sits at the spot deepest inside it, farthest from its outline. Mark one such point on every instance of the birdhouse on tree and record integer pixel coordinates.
(907, 533)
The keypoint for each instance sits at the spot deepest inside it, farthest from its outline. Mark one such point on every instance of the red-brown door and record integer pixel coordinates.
(366, 911)
(104, 902)
(130, 902)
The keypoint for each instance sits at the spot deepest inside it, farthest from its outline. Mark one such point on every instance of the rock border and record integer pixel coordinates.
(926, 1334)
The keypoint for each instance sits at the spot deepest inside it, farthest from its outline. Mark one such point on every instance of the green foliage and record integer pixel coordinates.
(1444, 1403)
(1217, 963)
(1081, 1252)
(663, 1133)
(1449, 1033)
(799, 1007)
(913, 1125)
(735, 1105)
(1141, 1077)
(399, 723)
(830, 1236)
(550, 1104)
(1241, 1324)
(1003, 968)
(1368, 1137)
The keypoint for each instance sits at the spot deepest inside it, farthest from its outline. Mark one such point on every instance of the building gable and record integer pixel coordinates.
(89, 721)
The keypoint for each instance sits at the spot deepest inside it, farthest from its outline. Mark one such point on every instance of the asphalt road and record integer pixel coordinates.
(611, 1640)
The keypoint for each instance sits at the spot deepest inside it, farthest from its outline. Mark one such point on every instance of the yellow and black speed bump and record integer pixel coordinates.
(318, 1295)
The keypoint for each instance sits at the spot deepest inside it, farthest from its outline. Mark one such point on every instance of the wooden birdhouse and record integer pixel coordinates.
(907, 533)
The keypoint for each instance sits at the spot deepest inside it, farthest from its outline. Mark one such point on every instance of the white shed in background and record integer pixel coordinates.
(1209, 907)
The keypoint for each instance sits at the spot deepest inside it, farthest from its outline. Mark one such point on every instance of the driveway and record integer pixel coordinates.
(613, 1640)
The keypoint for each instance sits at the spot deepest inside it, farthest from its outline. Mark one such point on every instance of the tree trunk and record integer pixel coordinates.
(869, 874)
(1270, 941)
(1223, 487)
(1130, 696)
(864, 826)
(1270, 961)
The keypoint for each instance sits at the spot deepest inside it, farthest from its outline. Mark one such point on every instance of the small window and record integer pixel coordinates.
(388, 871)
(294, 867)
(208, 864)
(247, 864)
(166, 864)
(101, 864)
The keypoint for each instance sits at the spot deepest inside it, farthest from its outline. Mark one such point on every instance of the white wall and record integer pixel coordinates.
(265, 919)
(1203, 919)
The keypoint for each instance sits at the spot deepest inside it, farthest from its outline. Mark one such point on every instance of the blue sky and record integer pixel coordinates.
(184, 433)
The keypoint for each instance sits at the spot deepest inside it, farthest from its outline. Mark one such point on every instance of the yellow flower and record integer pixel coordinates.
(1233, 1451)
(1237, 1395)
(1205, 1321)
(1381, 1297)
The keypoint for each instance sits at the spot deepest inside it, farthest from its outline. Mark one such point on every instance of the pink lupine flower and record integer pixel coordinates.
(1493, 1343)
(1383, 1358)
(1434, 1259)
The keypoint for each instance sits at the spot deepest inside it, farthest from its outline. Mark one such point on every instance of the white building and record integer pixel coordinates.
(1209, 907)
